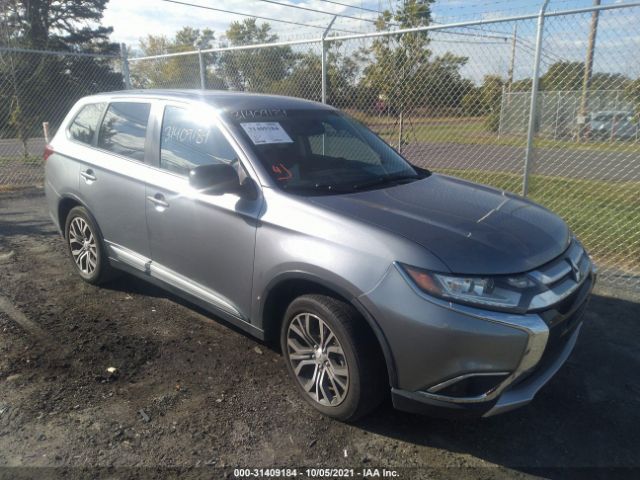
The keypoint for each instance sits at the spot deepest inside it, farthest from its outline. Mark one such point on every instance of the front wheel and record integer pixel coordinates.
(333, 357)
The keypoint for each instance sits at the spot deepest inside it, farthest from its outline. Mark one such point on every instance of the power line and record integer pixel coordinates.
(469, 34)
(351, 6)
(298, 7)
(269, 19)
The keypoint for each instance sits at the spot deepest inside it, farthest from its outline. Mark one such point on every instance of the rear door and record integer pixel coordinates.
(203, 244)
(112, 183)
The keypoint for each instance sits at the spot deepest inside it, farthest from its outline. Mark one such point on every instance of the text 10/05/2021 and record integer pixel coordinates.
(315, 473)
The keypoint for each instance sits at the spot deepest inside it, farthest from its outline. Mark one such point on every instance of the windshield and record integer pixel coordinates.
(321, 152)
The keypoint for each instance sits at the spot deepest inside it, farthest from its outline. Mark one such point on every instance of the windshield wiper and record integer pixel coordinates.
(317, 188)
(390, 180)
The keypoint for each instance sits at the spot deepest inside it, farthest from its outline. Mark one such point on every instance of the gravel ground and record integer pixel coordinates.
(191, 396)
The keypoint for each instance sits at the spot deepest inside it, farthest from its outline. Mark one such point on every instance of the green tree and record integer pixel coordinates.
(305, 78)
(176, 72)
(439, 84)
(394, 61)
(255, 69)
(484, 101)
(43, 87)
(563, 76)
(608, 81)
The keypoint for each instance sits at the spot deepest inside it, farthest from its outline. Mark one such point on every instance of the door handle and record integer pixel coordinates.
(88, 175)
(158, 200)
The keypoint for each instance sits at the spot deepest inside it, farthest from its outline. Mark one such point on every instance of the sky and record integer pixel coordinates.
(487, 48)
(132, 19)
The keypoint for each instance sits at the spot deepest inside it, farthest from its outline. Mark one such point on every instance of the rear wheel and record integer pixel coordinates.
(86, 247)
(333, 357)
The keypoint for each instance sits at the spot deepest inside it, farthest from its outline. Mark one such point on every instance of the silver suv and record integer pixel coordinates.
(296, 223)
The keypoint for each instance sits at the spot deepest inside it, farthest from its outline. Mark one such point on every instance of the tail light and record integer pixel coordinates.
(48, 150)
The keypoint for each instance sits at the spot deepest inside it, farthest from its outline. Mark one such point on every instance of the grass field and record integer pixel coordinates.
(21, 159)
(604, 215)
(472, 131)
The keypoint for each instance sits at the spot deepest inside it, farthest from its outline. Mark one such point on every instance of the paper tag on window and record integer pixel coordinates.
(261, 133)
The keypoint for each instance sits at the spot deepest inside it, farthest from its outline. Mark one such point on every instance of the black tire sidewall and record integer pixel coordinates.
(350, 405)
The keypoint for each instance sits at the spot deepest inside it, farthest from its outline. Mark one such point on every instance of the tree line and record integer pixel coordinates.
(35, 87)
(390, 75)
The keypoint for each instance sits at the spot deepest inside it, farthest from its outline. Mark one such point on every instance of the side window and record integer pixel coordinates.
(188, 141)
(124, 129)
(84, 126)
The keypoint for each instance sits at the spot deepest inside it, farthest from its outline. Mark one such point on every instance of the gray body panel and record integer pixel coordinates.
(208, 239)
(473, 229)
(229, 252)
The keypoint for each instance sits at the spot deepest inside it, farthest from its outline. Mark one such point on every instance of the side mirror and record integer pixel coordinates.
(215, 179)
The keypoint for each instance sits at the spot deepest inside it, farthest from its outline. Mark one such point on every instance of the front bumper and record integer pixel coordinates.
(436, 344)
(520, 394)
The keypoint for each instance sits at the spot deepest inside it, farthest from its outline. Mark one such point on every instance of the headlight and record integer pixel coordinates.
(502, 292)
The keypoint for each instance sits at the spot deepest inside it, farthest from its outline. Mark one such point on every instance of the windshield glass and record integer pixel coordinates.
(318, 151)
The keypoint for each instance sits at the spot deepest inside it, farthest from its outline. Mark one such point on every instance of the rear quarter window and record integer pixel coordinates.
(83, 127)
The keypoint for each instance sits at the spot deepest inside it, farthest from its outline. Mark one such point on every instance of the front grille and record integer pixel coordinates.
(562, 277)
(562, 319)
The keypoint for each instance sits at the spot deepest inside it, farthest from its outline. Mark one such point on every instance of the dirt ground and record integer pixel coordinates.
(192, 396)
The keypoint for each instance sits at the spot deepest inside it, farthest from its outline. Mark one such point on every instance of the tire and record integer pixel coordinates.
(343, 397)
(82, 235)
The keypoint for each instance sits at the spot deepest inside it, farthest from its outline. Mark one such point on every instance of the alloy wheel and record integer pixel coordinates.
(83, 246)
(317, 359)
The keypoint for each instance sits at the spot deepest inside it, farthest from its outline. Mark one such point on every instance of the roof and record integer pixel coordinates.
(224, 99)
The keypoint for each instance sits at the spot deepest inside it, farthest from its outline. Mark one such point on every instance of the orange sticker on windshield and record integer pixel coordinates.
(282, 172)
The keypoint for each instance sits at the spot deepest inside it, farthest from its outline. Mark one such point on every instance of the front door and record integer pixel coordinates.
(203, 244)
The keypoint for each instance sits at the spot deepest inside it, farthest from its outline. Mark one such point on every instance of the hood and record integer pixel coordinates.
(473, 229)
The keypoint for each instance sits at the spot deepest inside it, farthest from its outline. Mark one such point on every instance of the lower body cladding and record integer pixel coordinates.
(456, 360)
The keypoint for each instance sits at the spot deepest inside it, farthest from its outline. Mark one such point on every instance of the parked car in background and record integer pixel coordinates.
(297, 224)
(613, 125)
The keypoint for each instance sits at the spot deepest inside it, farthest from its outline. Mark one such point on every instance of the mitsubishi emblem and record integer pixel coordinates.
(577, 275)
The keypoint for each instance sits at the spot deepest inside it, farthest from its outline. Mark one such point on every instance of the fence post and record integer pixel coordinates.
(203, 71)
(125, 66)
(324, 59)
(45, 131)
(535, 82)
(502, 98)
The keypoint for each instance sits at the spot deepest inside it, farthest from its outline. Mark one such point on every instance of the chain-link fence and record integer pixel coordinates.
(542, 105)
(38, 87)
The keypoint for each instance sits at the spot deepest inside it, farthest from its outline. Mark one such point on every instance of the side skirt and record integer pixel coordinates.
(218, 312)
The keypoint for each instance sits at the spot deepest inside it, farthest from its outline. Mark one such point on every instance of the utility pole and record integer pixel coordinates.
(124, 58)
(513, 58)
(588, 70)
(323, 59)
